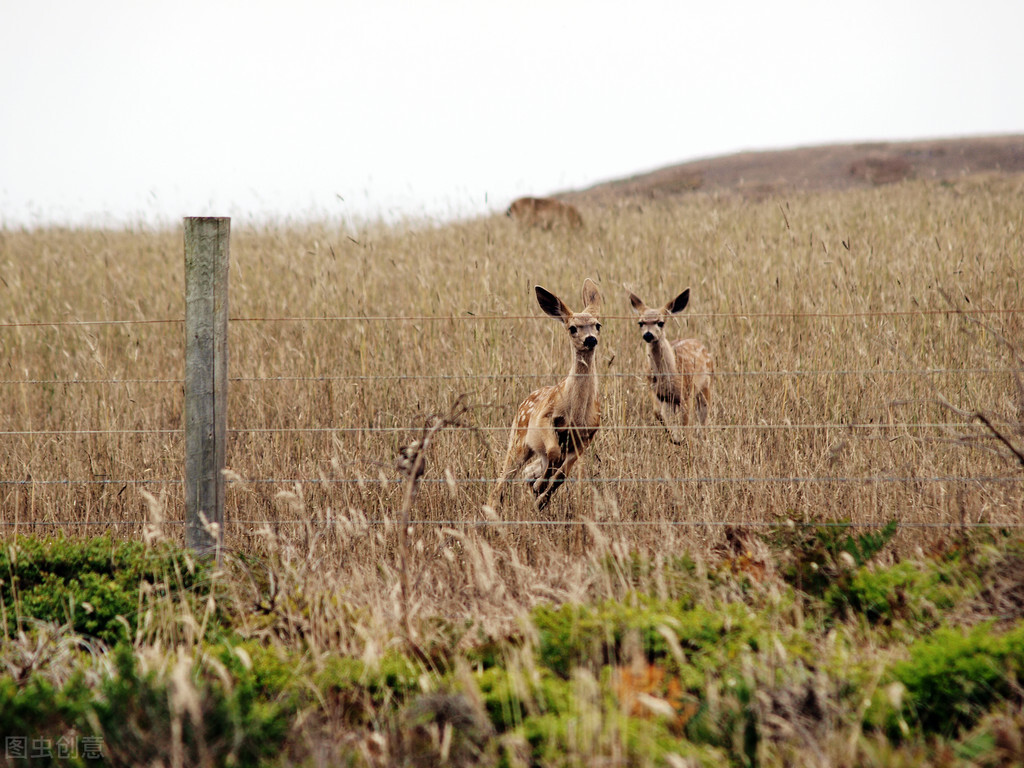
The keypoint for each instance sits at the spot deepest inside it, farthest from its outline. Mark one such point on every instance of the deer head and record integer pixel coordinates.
(583, 327)
(652, 321)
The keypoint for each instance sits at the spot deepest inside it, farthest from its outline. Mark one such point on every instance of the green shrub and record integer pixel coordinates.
(953, 677)
(509, 701)
(140, 717)
(810, 553)
(239, 721)
(578, 635)
(40, 710)
(561, 729)
(905, 591)
(91, 585)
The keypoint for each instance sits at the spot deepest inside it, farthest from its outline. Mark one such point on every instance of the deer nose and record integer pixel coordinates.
(648, 337)
(590, 342)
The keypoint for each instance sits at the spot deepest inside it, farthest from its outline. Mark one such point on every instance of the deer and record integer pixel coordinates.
(555, 424)
(681, 371)
(544, 213)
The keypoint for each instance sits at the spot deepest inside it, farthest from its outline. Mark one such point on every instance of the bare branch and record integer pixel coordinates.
(1000, 436)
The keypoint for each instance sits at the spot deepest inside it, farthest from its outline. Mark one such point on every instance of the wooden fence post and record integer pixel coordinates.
(206, 380)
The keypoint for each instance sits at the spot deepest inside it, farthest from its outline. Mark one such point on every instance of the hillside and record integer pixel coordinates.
(841, 166)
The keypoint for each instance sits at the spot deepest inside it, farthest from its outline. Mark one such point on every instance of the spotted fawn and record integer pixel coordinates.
(555, 424)
(680, 377)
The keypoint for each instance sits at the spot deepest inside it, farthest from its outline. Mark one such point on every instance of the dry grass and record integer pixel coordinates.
(831, 372)
(845, 390)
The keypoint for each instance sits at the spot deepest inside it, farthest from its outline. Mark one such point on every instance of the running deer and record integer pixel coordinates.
(555, 424)
(681, 371)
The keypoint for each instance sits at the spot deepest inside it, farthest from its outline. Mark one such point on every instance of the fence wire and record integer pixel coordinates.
(527, 376)
(413, 428)
(821, 480)
(468, 316)
(490, 523)
(718, 480)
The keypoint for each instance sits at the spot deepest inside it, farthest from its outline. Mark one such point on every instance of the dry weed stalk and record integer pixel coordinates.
(1018, 378)
(988, 418)
(412, 463)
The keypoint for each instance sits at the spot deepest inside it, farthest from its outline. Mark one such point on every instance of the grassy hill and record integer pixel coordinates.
(809, 169)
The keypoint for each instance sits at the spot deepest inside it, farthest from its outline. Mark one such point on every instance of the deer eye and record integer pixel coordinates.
(598, 327)
(573, 329)
(661, 323)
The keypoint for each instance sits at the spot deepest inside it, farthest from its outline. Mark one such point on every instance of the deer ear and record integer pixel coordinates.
(678, 304)
(551, 304)
(591, 297)
(637, 302)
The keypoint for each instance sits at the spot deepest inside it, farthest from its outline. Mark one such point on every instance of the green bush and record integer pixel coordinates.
(905, 591)
(591, 636)
(92, 585)
(810, 554)
(40, 710)
(140, 717)
(558, 726)
(509, 701)
(953, 677)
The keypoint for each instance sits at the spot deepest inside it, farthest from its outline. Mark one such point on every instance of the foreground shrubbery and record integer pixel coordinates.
(97, 588)
(885, 664)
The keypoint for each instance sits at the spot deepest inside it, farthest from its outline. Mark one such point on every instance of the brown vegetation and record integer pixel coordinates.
(828, 314)
(757, 175)
(881, 169)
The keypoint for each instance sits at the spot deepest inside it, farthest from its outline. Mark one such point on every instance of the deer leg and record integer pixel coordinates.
(554, 482)
(671, 414)
(665, 412)
(703, 403)
(543, 442)
(701, 407)
(514, 460)
(536, 469)
(659, 408)
(498, 492)
(556, 479)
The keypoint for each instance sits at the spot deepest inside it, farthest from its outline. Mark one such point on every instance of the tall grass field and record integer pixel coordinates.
(746, 597)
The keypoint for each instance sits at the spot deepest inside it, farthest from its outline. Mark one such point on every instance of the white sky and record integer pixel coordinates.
(150, 111)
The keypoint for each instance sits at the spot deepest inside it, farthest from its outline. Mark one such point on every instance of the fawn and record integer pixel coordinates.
(681, 371)
(555, 424)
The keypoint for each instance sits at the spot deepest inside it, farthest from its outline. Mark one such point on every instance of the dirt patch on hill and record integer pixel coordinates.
(841, 166)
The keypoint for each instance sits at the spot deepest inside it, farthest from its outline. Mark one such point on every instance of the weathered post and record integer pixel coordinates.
(206, 380)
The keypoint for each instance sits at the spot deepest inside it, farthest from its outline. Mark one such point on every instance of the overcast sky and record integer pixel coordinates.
(126, 111)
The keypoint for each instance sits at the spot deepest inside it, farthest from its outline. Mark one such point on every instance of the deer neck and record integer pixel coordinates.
(581, 385)
(663, 359)
(663, 370)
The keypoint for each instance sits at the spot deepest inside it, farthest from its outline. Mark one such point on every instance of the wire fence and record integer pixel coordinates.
(91, 525)
(960, 429)
(624, 480)
(411, 428)
(398, 377)
(468, 316)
